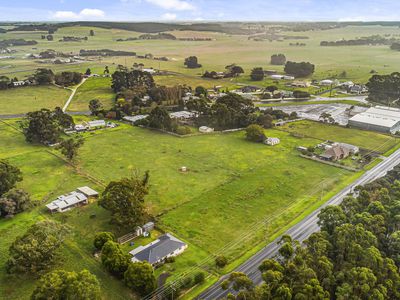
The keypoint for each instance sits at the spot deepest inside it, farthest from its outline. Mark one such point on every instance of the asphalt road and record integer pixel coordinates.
(302, 230)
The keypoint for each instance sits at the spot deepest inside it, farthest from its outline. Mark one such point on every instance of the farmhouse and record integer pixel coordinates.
(66, 202)
(336, 152)
(271, 141)
(378, 118)
(157, 251)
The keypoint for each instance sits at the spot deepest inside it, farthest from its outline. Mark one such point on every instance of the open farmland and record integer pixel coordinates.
(94, 88)
(231, 183)
(26, 99)
(369, 140)
(222, 50)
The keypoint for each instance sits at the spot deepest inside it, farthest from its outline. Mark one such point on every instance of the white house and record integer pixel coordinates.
(271, 141)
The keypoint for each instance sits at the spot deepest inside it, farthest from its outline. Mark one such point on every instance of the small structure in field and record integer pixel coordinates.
(206, 129)
(271, 141)
(183, 169)
(68, 201)
(158, 251)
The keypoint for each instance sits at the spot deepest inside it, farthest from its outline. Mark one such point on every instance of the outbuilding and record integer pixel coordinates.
(272, 141)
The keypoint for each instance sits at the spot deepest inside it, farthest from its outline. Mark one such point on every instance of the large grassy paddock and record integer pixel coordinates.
(94, 88)
(235, 196)
(369, 140)
(25, 99)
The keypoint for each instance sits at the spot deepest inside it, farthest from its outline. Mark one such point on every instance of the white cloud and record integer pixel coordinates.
(92, 12)
(173, 4)
(169, 17)
(65, 15)
(84, 14)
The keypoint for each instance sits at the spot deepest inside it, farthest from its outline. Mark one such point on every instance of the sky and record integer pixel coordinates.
(199, 10)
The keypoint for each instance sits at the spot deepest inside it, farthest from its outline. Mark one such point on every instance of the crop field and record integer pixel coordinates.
(222, 50)
(369, 140)
(231, 183)
(26, 99)
(94, 88)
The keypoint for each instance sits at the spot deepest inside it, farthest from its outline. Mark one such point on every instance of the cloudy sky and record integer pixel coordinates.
(216, 10)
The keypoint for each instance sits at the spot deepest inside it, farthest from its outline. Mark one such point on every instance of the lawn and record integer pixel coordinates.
(25, 99)
(369, 140)
(93, 88)
(235, 196)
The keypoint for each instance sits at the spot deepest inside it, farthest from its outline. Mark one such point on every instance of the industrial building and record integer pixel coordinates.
(378, 118)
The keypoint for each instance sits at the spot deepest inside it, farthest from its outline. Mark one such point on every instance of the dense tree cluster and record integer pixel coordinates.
(368, 40)
(45, 126)
(395, 46)
(60, 284)
(9, 176)
(159, 118)
(278, 59)
(354, 256)
(125, 200)
(101, 238)
(257, 74)
(138, 276)
(233, 70)
(132, 80)
(231, 111)
(13, 202)
(384, 89)
(43, 76)
(302, 69)
(36, 250)
(68, 78)
(191, 62)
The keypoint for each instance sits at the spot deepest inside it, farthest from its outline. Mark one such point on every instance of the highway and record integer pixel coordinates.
(301, 230)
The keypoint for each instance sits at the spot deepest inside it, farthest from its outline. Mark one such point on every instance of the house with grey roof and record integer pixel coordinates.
(68, 201)
(159, 250)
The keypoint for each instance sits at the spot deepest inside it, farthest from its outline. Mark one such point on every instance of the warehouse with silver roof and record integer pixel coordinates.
(378, 118)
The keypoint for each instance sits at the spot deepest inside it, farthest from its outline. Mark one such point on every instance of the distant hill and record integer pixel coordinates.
(144, 27)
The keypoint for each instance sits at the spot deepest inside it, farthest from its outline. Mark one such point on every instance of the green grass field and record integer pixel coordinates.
(25, 99)
(231, 186)
(364, 139)
(94, 88)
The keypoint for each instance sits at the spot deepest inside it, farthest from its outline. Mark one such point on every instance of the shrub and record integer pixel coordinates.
(199, 277)
(182, 130)
(221, 261)
(101, 238)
